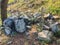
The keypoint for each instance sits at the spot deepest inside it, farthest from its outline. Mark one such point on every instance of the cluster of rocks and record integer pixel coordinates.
(50, 28)
(23, 22)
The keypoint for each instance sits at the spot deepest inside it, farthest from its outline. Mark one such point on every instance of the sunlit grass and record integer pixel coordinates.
(10, 1)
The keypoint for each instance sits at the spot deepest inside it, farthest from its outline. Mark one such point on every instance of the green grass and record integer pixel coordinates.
(49, 5)
(10, 1)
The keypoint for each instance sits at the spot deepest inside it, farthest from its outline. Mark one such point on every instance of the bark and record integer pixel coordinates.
(4, 9)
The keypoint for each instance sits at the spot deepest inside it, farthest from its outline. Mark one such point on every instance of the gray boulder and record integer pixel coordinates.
(8, 25)
(20, 25)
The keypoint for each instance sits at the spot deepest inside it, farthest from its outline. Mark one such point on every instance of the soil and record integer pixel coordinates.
(23, 39)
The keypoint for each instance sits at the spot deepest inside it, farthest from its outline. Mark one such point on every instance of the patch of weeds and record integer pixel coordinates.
(45, 41)
(57, 34)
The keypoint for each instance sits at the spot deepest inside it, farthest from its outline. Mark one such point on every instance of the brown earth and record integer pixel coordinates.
(22, 39)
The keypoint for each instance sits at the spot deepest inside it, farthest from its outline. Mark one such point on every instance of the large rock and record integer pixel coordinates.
(45, 36)
(8, 25)
(20, 25)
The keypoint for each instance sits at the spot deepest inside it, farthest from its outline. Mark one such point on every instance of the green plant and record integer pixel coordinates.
(57, 34)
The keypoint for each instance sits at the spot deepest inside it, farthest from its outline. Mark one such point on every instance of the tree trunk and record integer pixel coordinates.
(4, 9)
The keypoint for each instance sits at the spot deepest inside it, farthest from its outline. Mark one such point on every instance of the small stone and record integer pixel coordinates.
(29, 27)
(7, 31)
(45, 35)
(9, 42)
(36, 15)
(1, 28)
(54, 27)
(27, 33)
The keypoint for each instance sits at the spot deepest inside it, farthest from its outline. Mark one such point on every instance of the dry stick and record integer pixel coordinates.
(42, 17)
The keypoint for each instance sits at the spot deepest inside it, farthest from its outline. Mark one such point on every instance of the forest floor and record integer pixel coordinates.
(22, 39)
